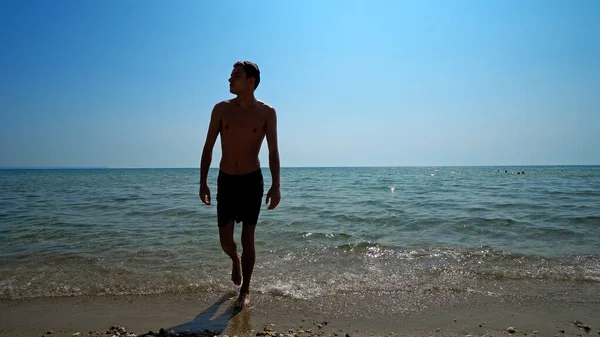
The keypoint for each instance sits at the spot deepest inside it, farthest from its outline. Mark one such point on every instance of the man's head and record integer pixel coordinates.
(245, 77)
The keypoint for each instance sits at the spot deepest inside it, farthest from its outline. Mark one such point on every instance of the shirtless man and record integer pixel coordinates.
(243, 123)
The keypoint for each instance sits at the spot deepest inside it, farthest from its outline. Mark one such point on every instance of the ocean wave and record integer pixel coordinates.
(587, 220)
(169, 212)
(353, 268)
(323, 235)
(10, 290)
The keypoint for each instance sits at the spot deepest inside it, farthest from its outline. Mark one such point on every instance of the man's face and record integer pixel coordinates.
(238, 83)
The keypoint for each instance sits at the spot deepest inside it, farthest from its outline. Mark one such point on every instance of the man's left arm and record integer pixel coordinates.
(274, 194)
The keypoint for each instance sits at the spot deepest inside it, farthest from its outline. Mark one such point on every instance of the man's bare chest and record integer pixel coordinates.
(243, 125)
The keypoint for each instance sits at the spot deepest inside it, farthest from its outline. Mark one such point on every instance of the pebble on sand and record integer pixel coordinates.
(511, 329)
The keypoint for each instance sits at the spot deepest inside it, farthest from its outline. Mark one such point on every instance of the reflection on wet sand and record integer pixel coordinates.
(217, 317)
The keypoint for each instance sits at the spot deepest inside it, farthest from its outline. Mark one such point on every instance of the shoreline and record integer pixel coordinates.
(355, 314)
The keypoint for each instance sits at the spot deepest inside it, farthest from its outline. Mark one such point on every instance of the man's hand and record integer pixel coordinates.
(204, 194)
(274, 196)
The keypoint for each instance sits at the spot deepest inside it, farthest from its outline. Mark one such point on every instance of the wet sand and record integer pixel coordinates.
(355, 315)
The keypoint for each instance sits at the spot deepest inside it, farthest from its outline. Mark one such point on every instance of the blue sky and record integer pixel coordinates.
(355, 83)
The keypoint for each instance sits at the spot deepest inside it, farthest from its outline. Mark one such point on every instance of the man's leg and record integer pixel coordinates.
(248, 258)
(230, 248)
(253, 193)
(248, 255)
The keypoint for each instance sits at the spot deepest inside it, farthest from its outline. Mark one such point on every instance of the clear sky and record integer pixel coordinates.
(355, 83)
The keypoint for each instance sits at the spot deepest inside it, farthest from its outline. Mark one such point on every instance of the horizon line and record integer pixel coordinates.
(266, 167)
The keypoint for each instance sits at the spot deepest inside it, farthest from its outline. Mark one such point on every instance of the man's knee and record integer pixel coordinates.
(248, 236)
(226, 237)
(248, 244)
(228, 245)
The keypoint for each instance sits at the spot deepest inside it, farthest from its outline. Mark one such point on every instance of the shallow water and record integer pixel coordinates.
(446, 229)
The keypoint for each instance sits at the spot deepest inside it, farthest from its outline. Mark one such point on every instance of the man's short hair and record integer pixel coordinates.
(251, 70)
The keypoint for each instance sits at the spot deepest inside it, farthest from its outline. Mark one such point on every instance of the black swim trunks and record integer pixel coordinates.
(239, 197)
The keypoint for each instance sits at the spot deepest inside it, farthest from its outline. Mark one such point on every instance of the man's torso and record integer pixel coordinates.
(242, 132)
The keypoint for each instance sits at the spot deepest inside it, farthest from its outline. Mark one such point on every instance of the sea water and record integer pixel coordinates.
(96, 232)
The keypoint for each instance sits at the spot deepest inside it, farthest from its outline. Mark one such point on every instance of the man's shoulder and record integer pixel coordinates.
(223, 104)
(269, 109)
(265, 104)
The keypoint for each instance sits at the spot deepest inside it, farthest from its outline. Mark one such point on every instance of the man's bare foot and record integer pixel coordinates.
(242, 301)
(236, 271)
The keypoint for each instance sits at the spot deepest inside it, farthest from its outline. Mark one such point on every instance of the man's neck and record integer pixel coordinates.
(246, 101)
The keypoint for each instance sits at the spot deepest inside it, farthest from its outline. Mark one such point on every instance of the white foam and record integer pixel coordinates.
(298, 290)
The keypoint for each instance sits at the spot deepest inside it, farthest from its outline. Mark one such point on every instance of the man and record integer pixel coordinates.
(243, 123)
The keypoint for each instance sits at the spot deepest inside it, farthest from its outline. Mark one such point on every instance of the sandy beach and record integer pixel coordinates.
(364, 314)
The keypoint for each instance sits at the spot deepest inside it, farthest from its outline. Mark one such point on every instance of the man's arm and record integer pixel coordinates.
(274, 195)
(274, 164)
(214, 128)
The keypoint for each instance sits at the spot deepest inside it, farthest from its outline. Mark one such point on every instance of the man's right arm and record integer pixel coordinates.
(214, 128)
